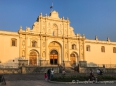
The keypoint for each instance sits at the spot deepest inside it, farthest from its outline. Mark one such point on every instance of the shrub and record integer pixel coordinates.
(64, 78)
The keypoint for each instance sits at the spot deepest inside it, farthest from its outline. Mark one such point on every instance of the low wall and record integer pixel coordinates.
(10, 70)
(94, 69)
(27, 70)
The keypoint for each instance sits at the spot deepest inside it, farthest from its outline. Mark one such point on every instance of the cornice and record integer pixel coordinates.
(99, 42)
(9, 34)
(57, 19)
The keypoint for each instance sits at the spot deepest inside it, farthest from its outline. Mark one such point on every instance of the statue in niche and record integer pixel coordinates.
(23, 42)
(60, 32)
(43, 54)
(43, 30)
(49, 25)
(65, 45)
(43, 44)
(49, 31)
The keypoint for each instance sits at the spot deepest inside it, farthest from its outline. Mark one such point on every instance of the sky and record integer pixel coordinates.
(89, 17)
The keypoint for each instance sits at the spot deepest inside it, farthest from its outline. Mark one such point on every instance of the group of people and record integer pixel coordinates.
(92, 77)
(2, 79)
(99, 72)
(49, 75)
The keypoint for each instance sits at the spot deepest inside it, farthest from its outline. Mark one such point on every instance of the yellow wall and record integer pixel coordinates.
(96, 56)
(8, 53)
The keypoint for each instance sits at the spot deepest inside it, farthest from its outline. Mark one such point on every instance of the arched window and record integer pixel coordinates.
(13, 42)
(102, 49)
(34, 44)
(114, 49)
(87, 47)
(73, 46)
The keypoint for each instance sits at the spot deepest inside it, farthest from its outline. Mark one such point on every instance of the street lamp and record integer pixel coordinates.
(110, 62)
(0, 63)
(40, 61)
(63, 64)
(13, 63)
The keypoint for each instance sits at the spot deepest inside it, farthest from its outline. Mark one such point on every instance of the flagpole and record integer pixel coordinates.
(51, 7)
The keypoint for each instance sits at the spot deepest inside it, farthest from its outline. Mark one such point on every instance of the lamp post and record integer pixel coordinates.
(13, 63)
(40, 61)
(63, 64)
(0, 62)
(110, 62)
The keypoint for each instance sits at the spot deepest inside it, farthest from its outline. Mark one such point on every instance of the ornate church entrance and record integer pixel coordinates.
(72, 59)
(53, 57)
(33, 58)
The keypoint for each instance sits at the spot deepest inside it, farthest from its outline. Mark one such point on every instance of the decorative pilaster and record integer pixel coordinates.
(26, 46)
(20, 45)
(46, 49)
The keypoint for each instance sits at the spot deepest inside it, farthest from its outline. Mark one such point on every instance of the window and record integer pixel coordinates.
(114, 49)
(73, 46)
(102, 49)
(13, 42)
(34, 44)
(87, 47)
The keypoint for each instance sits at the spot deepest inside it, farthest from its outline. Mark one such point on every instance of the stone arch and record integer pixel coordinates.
(55, 47)
(33, 57)
(74, 59)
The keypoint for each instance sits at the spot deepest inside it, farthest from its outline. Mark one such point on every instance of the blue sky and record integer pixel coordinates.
(89, 17)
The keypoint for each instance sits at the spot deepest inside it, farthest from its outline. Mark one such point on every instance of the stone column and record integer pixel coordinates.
(20, 45)
(26, 47)
(46, 51)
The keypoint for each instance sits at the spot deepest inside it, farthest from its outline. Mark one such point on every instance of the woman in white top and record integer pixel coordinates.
(52, 73)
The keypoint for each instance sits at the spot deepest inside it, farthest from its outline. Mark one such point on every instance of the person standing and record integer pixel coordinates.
(49, 73)
(52, 73)
(98, 71)
(91, 75)
(45, 76)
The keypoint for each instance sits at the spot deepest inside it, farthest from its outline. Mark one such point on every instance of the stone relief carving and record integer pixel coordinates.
(65, 46)
(49, 31)
(43, 54)
(43, 29)
(43, 44)
(23, 44)
(60, 32)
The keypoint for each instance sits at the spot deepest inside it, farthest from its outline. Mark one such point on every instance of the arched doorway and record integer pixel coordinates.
(73, 59)
(53, 57)
(33, 58)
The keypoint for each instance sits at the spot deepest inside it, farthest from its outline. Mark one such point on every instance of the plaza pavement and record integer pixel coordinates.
(38, 80)
(45, 83)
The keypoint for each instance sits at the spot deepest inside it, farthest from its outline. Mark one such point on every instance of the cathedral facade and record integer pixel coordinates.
(52, 41)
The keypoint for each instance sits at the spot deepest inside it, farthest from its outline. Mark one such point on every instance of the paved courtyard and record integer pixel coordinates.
(38, 80)
(44, 83)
